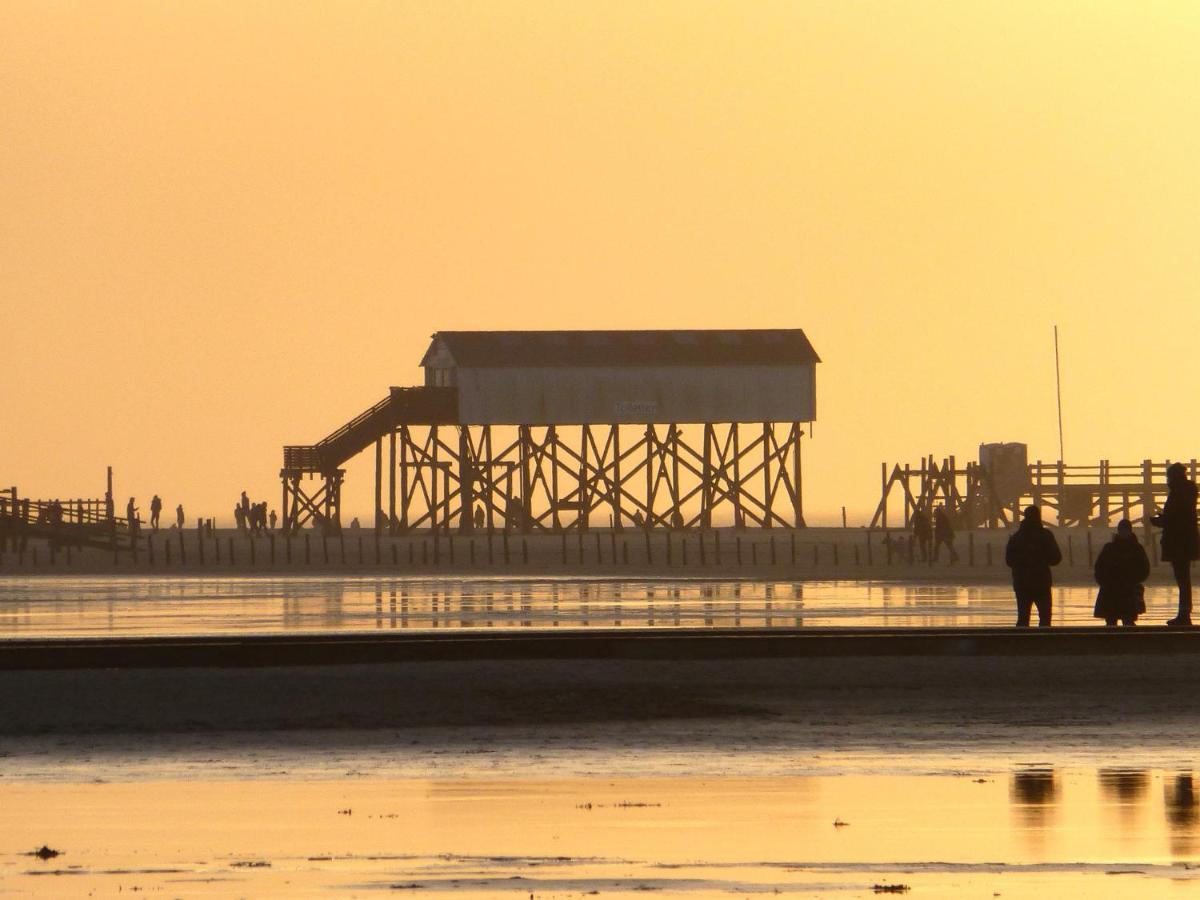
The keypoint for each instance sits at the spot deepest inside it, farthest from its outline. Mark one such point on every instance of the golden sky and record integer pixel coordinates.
(227, 226)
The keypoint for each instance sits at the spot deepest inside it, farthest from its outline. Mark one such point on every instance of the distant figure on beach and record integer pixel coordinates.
(922, 532)
(478, 517)
(239, 518)
(1120, 569)
(179, 519)
(155, 511)
(354, 526)
(245, 502)
(131, 517)
(1180, 540)
(1031, 551)
(274, 519)
(943, 533)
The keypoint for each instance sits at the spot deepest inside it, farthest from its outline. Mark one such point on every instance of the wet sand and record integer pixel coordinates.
(1022, 833)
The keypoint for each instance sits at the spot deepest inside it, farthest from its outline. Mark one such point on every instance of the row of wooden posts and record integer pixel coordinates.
(437, 550)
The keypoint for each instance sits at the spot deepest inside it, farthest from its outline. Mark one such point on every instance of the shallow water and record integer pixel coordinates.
(1031, 830)
(62, 606)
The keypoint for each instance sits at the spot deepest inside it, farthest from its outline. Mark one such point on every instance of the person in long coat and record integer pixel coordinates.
(1180, 538)
(1030, 553)
(1120, 569)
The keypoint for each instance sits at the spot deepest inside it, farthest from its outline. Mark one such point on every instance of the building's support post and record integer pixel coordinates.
(524, 453)
(377, 512)
(768, 439)
(466, 480)
(432, 453)
(405, 496)
(392, 481)
(555, 498)
(706, 479)
(617, 483)
(797, 477)
(585, 503)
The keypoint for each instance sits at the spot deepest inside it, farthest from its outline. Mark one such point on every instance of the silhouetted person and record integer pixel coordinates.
(155, 511)
(179, 519)
(1030, 553)
(239, 517)
(1120, 569)
(274, 518)
(922, 532)
(354, 524)
(943, 533)
(245, 509)
(478, 517)
(1180, 541)
(131, 517)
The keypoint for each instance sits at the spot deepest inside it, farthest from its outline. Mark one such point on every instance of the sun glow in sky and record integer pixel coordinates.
(230, 226)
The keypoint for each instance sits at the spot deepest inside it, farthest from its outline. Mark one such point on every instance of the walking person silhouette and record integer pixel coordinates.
(1180, 538)
(1030, 553)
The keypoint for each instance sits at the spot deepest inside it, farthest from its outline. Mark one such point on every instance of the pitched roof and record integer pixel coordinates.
(744, 347)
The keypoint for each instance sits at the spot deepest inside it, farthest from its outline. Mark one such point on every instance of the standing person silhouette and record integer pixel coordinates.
(943, 533)
(179, 516)
(131, 517)
(1180, 540)
(1030, 553)
(1120, 570)
(922, 532)
(155, 511)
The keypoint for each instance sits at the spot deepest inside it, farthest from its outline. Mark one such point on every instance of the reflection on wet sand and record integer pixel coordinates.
(1179, 800)
(82, 605)
(1033, 794)
(1125, 792)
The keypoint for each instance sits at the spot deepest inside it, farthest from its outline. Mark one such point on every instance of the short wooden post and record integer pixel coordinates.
(325, 548)
(524, 551)
(668, 536)
(217, 551)
(753, 553)
(450, 544)
(564, 548)
(1070, 551)
(505, 547)
(649, 548)
(232, 557)
(717, 546)
(738, 545)
(774, 558)
(182, 550)
(970, 548)
(868, 533)
(1089, 546)
(253, 543)
(395, 555)
(271, 544)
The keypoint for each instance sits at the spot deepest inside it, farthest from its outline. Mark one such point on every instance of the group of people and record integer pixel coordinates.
(1122, 566)
(938, 533)
(134, 522)
(253, 517)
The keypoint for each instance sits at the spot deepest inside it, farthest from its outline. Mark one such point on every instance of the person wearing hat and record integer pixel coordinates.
(1180, 539)
(1120, 569)
(1030, 553)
